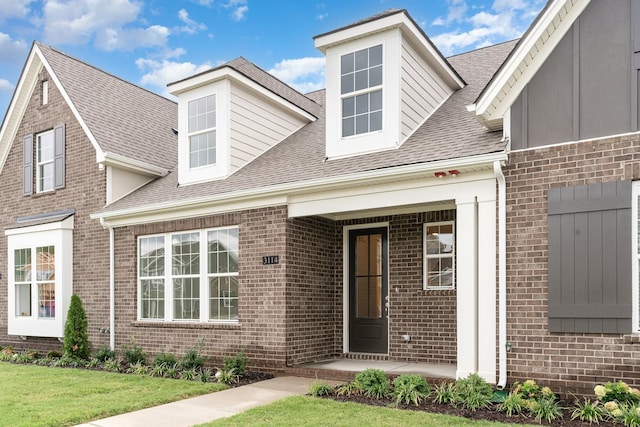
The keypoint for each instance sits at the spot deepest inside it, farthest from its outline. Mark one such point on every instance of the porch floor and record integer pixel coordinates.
(344, 369)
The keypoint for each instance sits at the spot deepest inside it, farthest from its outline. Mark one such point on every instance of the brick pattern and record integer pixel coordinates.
(567, 362)
(84, 191)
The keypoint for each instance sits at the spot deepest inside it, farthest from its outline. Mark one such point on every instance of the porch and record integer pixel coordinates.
(346, 369)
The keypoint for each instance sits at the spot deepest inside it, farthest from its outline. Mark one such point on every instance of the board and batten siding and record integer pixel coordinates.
(255, 126)
(422, 91)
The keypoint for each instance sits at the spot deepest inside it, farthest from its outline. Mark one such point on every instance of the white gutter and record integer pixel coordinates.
(112, 286)
(502, 275)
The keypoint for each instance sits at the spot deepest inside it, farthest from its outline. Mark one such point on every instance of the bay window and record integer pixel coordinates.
(200, 269)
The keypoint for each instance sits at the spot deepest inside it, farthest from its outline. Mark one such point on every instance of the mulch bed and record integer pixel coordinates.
(487, 414)
(251, 377)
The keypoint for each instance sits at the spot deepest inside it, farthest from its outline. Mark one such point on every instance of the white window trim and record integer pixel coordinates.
(426, 256)
(380, 140)
(168, 277)
(60, 236)
(635, 268)
(203, 131)
(187, 175)
(45, 92)
(39, 163)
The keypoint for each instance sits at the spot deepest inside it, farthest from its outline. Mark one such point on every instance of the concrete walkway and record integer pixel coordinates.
(201, 409)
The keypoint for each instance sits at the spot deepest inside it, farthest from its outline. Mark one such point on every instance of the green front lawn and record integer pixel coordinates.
(311, 411)
(42, 396)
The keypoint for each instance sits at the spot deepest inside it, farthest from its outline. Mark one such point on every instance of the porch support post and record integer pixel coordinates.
(487, 289)
(467, 285)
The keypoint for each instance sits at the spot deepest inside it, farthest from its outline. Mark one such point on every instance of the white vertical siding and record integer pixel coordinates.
(255, 126)
(422, 91)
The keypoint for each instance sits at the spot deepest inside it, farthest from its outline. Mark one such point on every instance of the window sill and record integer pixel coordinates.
(184, 325)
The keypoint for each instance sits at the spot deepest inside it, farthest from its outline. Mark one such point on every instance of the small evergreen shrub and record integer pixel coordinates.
(373, 382)
(133, 353)
(238, 363)
(104, 353)
(76, 338)
(410, 388)
(193, 357)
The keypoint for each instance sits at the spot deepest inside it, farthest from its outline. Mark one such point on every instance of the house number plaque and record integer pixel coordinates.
(270, 260)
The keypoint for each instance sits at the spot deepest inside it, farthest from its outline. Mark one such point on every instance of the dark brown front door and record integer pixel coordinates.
(368, 291)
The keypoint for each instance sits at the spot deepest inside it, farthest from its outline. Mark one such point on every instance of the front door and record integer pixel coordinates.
(368, 291)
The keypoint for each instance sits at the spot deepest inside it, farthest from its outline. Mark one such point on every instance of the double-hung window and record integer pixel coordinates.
(439, 255)
(45, 166)
(361, 91)
(190, 276)
(202, 131)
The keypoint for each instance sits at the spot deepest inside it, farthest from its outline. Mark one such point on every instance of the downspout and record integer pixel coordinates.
(502, 275)
(112, 286)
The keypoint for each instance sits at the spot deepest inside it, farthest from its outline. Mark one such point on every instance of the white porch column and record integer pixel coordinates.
(487, 289)
(467, 285)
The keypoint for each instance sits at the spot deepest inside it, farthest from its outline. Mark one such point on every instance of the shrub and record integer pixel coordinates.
(189, 374)
(373, 382)
(173, 371)
(619, 392)
(238, 363)
(205, 375)
(410, 389)
(104, 353)
(76, 338)
(193, 357)
(514, 404)
(318, 389)
(226, 376)
(588, 411)
(445, 393)
(133, 353)
(166, 358)
(630, 416)
(138, 368)
(112, 365)
(6, 354)
(473, 392)
(54, 354)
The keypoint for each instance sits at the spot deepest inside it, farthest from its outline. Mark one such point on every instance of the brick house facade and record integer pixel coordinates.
(289, 226)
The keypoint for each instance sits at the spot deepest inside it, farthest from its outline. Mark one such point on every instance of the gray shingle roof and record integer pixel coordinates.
(124, 118)
(451, 132)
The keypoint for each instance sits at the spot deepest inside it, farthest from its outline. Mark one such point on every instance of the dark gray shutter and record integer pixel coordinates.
(590, 258)
(27, 165)
(58, 159)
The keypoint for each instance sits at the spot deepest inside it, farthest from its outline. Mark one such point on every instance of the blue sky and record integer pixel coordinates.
(154, 42)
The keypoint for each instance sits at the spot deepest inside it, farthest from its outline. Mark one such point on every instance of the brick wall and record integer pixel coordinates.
(566, 362)
(84, 191)
(262, 294)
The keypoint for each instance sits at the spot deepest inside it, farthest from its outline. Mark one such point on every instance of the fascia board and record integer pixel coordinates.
(556, 21)
(229, 73)
(120, 161)
(409, 30)
(18, 104)
(257, 197)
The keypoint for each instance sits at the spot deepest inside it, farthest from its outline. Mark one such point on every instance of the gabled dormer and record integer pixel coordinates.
(384, 79)
(229, 115)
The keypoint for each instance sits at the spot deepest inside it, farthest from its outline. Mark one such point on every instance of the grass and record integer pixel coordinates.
(44, 396)
(309, 411)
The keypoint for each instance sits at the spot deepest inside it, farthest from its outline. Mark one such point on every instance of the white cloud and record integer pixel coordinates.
(111, 39)
(502, 5)
(11, 49)
(6, 86)
(321, 16)
(160, 73)
(14, 9)
(238, 8)
(191, 26)
(303, 74)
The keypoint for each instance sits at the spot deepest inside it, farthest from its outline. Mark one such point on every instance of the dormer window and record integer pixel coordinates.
(361, 91)
(202, 131)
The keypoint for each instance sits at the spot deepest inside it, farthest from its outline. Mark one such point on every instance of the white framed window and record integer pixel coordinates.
(635, 264)
(40, 261)
(439, 255)
(45, 92)
(361, 91)
(202, 131)
(189, 276)
(45, 168)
